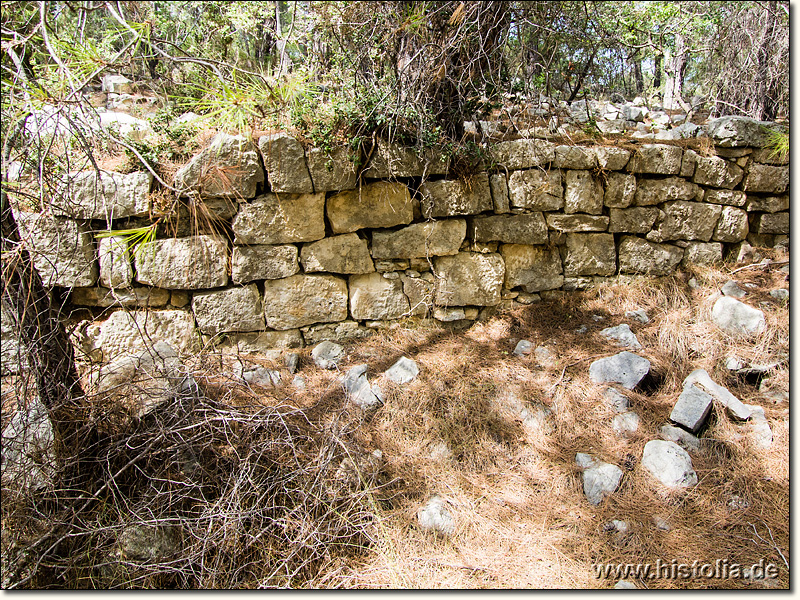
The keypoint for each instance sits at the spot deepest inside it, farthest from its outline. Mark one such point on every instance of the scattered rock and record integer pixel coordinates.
(732, 289)
(737, 502)
(147, 543)
(638, 315)
(625, 423)
(263, 377)
(617, 525)
(760, 431)
(291, 361)
(625, 584)
(299, 382)
(692, 408)
(403, 371)
(781, 294)
(737, 318)
(702, 379)
(733, 363)
(669, 464)
(616, 399)
(661, 523)
(359, 390)
(599, 479)
(625, 368)
(681, 437)
(327, 354)
(28, 457)
(436, 517)
(545, 357)
(523, 347)
(622, 335)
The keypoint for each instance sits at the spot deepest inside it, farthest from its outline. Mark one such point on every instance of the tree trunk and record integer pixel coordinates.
(764, 105)
(675, 67)
(657, 71)
(638, 78)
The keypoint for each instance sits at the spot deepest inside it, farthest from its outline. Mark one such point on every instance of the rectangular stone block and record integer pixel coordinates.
(380, 204)
(420, 240)
(261, 342)
(692, 408)
(280, 219)
(657, 159)
(688, 221)
(450, 198)
(702, 253)
(469, 279)
(104, 297)
(535, 268)
(391, 160)
(726, 197)
(261, 261)
(522, 154)
(610, 158)
(640, 256)
(499, 188)
(513, 229)
(717, 172)
(198, 262)
(131, 332)
(233, 309)
(590, 254)
(337, 332)
(772, 223)
(115, 262)
(302, 300)
(584, 193)
(347, 254)
(536, 190)
(733, 225)
(650, 192)
(639, 219)
(770, 204)
(575, 223)
(375, 297)
(766, 179)
(619, 190)
(230, 167)
(331, 171)
(574, 157)
(114, 196)
(285, 161)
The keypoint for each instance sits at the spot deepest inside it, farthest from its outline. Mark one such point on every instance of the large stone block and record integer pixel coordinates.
(114, 196)
(717, 172)
(345, 330)
(393, 160)
(576, 223)
(115, 262)
(770, 204)
(574, 157)
(234, 309)
(735, 132)
(639, 219)
(522, 154)
(374, 297)
(766, 178)
(642, 257)
(302, 300)
(688, 221)
(420, 240)
(331, 171)
(584, 193)
(535, 268)
(420, 292)
(650, 192)
(619, 190)
(144, 297)
(132, 332)
(469, 279)
(536, 190)
(229, 168)
(702, 253)
(513, 229)
(61, 249)
(281, 219)
(498, 184)
(285, 161)
(772, 223)
(726, 197)
(657, 159)
(261, 261)
(450, 198)
(733, 225)
(610, 158)
(590, 254)
(381, 204)
(346, 254)
(770, 156)
(198, 262)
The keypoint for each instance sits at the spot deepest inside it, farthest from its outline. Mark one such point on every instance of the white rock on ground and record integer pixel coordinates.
(625, 423)
(625, 584)
(732, 289)
(523, 347)
(435, 516)
(403, 371)
(681, 437)
(670, 464)
(545, 357)
(327, 354)
(702, 379)
(359, 390)
(760, 431)
(616, 399)
(692, 408)
(737, 318)
(599, 479)
(638, 315)
(625, 368)
(622, 335)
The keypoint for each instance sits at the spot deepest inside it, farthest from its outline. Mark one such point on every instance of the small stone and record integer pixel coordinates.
(617, 525)
(625, 368)
(545, 357)
(291, 361)
(737, 318)
(622, 335)
(523, 347)
(738, 503)
(692, 408)
(403, 371)
(625, 424)
(670, 464)
(624, 584)
(436, 517)
(693, 284)
(358, 389)
(732, 289)
(681, 437)
(760, 431)
(616, 399)
(661, 523)
(599, 479)
(781, 294)
(638, 315)
(733, 363)
(582, 329)
(299, 382)
(327, 354)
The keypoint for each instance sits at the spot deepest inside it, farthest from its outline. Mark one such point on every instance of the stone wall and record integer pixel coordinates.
(301, 251)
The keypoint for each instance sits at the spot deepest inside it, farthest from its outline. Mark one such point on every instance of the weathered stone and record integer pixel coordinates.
(658, 159)
(734, 131)
(620, 190)
(285, 161)
(670, 464)
(727, 197)
(117, 84)
(717, 172)
(625, 584)
(688, 163)
(261, 261)
(380, 204)
(780, 294)
(576, 223)
(610, 158)
(701, 379)
(327, 354)
(358, 389)
(450, 198)
(657, 191)
(345, 330)
(702, 253)
(514, 229)
(536, 190)
(234, 309)
(616, 400)
(132, 332)
(346, 254)
(145, 297)
(229, 167)
(770, 204)
(281, 219)
(261, 342)
(420, 240)
(688, 221)
(681, 437)
(622, 336)
(600, 479)
(302, 300)
(640, 256)
(198, 262)
(760, 431)
(393, 160)
(625, 424)
(448, 315)
(469, 279)
(375, 297)
(625, 368)
(115, 262)
(590, 254)
(419, 292)
(736, 318)
(61, 249)
(498, 185)
(331, 171)
(584, 193)
(770, 156)
(733, 225)
(638, 315)
(28, 450)
(436, 517)
(692, 408)
(632, 220)
(115, 196)
(772, 223)
(574, 157)
(522, 154)
(405, 370)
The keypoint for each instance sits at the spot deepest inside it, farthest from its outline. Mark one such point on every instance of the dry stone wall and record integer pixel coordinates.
(303, 251)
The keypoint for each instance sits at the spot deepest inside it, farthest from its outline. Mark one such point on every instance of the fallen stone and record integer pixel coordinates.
(327, 354)
(781, 294)
(405, 370)
(692, 408)
(625, 368)
(436, 517)
(760, 431)
(737, 318)
(625, 584)
(616, 400)
(599, 479)
(262, 376)
(622, 335)
(702, 379)
(625, 423)
(638, 315)
(670, 464)
(661, 523)
(299, 382)
(680, 437)
(291, 361)
(545, 357)
(735, 132)
(732, 289)
(147, 543)
(523, 347)
(359, 390)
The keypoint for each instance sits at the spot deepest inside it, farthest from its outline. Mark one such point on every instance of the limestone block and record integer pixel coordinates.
(767, 179)
(689, 163)
(639, 219)
(234, 309)
(498, 184)
(449, 198)
(637, 255)
(692, 408)
(770, 204)
(302, 300)
(735, 132)
(469, 279)
(281, 219)
(345, 330)
(115, 262)
(380, 204)
(626, 368)
(726, 197)
(522, 154)
(346, 254)
(391, 160)
(535, 268)
(419, 292)
(717, 172)
(657, 159)
(576, 223)
(131, 332)
(656, 191)
(114, 196)
(104, 297)
(700, 378)
(669, 464)
(590, 254)
(772, 223)
(536, 190)
(574, 157)
(198, 262)
(688, 221)
(702, 253)
(229, 167)
(331, 171)
(285, 161)
(515, 229)
(620, 190)
(374, 297)
(262, 261)
(610, 158)
(769, 156)
(420, 240)
(260, 342)
(61, 249)
(584, 193)
(733, 225)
